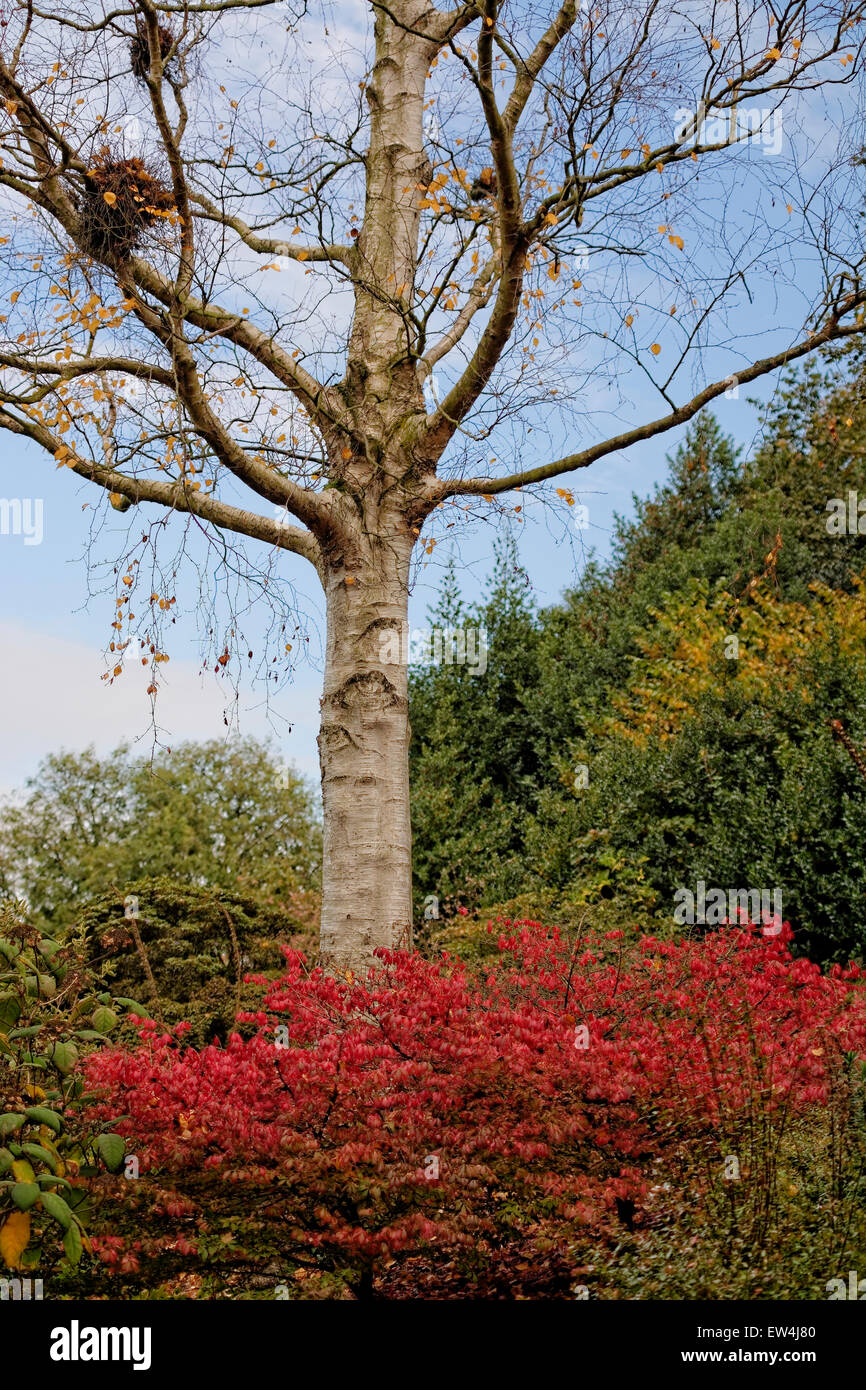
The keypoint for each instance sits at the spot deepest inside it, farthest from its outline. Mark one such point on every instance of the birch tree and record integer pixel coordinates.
(326, 281)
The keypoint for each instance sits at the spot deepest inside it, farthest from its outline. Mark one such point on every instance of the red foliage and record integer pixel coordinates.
(430, 1104)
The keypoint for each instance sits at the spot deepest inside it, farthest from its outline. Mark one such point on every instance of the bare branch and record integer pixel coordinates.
(178, 497)
(832, 332)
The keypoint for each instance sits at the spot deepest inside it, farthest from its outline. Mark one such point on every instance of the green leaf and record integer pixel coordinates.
(41, 1115)
(64, 1057)
(57, 1208)
(6, 1160)
(53, 1180)
(104, 1019)
(27, 1032)
(112, 1150)
(10, 1010)
(133, 1007)
(72, 1244)
(44, 1155)
(10, 1122)
(24, 1194)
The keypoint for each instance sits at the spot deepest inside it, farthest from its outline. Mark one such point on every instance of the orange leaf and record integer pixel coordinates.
(14, 1235)
(656, 349)
(110, 199)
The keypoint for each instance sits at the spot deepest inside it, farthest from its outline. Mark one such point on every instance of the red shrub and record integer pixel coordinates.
(430, 1105)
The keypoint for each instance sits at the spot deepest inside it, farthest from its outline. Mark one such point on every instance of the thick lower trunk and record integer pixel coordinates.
(364, 756)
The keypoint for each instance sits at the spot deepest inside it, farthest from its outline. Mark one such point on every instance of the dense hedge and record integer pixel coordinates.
(195, 948)
(505, 1131)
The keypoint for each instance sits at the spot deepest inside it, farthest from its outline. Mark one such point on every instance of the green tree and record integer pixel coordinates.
(215, 815)
(474, 756)
(736, 777)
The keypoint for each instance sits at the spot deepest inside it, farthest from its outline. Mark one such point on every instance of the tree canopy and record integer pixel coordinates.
(220, 815)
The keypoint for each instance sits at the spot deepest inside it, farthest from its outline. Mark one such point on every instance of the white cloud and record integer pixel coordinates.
(52, 698)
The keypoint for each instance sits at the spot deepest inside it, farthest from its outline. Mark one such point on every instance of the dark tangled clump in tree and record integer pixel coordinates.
(139, 50)
(122, 198)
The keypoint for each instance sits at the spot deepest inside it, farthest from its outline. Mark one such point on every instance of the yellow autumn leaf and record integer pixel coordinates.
(110, 199)
(676, 241)
(14, 1235)
(774, 53)
(655, 349)
(629, 320)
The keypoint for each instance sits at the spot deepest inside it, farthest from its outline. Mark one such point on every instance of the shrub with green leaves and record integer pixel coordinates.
(188, 950)
(54, 1009)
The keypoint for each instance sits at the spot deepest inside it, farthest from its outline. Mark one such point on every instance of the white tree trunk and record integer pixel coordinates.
(364, 756)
